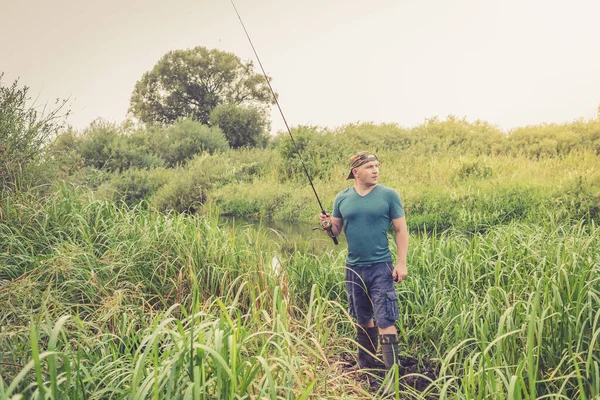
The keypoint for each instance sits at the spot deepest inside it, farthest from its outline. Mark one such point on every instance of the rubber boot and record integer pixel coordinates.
(368, 340)
(389, 351)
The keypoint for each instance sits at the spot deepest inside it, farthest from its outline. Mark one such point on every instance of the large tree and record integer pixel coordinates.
(191, 83)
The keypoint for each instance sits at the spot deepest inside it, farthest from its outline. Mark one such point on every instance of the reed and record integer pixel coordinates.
(99, 301)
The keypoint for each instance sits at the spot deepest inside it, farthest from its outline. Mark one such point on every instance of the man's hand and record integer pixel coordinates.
(325, 220)
(399, 273)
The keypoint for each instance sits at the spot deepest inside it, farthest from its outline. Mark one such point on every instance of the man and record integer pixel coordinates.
(365, 212)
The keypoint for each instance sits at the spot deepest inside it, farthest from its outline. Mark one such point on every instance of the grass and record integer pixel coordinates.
(471, 193)
(100, 301)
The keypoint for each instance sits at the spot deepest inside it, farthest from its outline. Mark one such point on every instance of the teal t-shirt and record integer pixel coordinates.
(366, 222)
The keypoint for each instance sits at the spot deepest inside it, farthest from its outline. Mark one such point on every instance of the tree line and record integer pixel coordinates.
(201, 101)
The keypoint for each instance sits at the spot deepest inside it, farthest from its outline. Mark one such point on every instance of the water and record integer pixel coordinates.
(290, 236)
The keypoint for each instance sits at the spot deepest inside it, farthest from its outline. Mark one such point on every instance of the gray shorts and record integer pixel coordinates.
(371, 294)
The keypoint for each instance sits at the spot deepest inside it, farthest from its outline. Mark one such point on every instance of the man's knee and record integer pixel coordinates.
(388, 330)
(369, 324)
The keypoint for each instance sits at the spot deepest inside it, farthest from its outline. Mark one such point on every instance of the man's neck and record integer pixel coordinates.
(362, 189)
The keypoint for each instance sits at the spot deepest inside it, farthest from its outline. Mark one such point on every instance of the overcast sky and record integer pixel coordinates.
(333, 62)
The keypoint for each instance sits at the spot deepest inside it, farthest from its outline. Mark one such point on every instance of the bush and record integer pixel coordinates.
(552, 140)
(320, 150)
(133, 186)
(24, 132)
(374, 137)
(475, 169)
(242, 126)
(105, 146)
(581, 201)
(180, 194)
(185, 139)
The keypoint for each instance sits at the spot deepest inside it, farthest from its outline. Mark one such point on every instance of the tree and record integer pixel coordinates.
(24, 130)
(193, 82)
(243, 127)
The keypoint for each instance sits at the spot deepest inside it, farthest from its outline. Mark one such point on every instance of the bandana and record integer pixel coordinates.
(358, 159)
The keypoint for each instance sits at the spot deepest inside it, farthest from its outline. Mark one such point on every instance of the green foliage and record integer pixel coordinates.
(24, 130)
(63, 152)
(374, 138)
(106, 146)
(242, 126)
(186, 189)
(113, 148)
(178, 143)
(191, 83)
(133, 186)
(474, 169)
(450, 173)
(456, 135)
(319, 150)
(98, 144)
(182, 194)
(551, 140)
(581, 201)
(255, 200)
(98, 301)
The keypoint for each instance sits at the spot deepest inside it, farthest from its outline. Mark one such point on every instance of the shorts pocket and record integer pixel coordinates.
(391, 305)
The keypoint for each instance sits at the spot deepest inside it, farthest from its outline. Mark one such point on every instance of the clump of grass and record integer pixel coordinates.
(100, 301)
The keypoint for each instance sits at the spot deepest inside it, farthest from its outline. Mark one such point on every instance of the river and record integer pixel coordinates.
(290, 235)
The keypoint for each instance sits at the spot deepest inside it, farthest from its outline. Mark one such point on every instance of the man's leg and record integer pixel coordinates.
(368, 341)
(385, 299)
(361, 308)
(389, 346)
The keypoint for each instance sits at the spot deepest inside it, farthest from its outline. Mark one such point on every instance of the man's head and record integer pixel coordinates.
(359, 159)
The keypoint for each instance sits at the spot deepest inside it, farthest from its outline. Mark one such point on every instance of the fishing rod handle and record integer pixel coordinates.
(335, 241)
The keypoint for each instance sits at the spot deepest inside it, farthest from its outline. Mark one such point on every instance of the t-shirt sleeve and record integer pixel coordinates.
(336, 207)
(396, 209)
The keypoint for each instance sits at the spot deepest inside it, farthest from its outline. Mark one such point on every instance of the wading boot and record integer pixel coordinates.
(389, 351)
(368, 339)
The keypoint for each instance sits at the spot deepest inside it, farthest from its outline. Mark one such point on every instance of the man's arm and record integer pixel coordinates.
(336, 225)
(401, 233)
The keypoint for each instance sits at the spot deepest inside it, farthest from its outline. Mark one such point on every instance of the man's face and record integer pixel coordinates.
(367, 173)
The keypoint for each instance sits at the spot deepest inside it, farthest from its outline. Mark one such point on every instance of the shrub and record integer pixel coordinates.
(181, 194)
(242, 126)
(132, 186)
(105, 146)
(23, 133)
(320, 150)
(185, 139)
(475, 169)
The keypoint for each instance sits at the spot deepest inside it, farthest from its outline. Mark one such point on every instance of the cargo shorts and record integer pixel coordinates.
(371, 294)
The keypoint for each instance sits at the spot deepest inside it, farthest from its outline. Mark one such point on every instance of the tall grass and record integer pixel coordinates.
(99, 301)
(472, 193)
(448, 172)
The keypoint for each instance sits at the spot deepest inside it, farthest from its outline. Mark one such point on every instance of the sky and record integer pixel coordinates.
(511, 63)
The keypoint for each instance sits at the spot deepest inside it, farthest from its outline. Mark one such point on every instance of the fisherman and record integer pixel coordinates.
(365, 211)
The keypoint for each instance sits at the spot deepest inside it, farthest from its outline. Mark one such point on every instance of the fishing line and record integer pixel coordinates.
(284, 121)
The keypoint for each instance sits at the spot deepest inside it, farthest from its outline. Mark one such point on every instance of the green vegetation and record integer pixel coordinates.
(105, 302)
(449, 173)
(193, 82)
(120, 279)
(23, 132)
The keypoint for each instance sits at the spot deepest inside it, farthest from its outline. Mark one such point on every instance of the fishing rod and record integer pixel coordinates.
(328, 226)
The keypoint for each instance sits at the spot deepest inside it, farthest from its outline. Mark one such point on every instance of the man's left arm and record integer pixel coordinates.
(401, 233)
